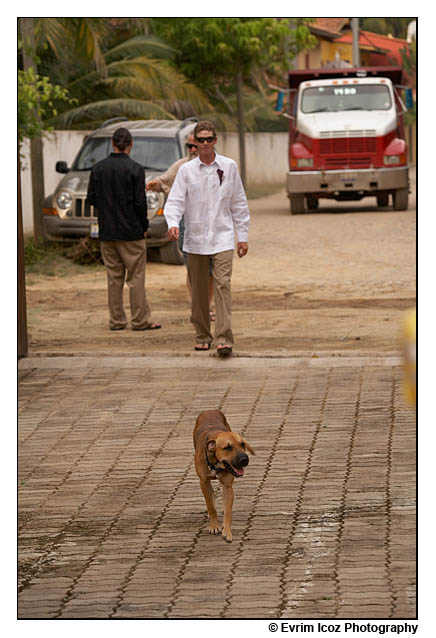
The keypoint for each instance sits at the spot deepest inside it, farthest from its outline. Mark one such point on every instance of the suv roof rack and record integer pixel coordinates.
(112, 120)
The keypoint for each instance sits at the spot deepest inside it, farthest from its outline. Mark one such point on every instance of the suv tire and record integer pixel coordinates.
(170, 254)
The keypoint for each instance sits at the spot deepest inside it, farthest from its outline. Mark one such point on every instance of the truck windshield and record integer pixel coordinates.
(360, 97)
(157, 153)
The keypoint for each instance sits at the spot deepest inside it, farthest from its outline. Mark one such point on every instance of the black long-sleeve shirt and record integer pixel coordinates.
(117, 190)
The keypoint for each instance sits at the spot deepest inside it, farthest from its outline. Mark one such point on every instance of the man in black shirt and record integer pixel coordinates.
(117, 190)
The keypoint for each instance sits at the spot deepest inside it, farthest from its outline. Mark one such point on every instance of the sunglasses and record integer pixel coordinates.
(191, 145)
(202, 140)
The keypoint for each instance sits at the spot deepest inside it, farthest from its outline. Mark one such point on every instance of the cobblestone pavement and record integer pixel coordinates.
(112, 523)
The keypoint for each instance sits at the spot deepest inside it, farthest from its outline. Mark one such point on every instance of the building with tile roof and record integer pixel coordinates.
(335, 43)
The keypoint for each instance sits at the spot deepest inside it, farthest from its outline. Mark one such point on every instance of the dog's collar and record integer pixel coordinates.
(212, 467)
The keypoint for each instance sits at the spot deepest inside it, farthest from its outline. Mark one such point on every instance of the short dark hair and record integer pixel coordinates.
(122, 138)
(205, 125)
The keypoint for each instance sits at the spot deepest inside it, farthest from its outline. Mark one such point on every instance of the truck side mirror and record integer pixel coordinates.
(279, 102)
(62, 167)
(409, 99)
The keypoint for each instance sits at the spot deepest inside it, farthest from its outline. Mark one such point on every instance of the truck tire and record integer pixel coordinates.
(297, 204)
(170, 254)
(401, 198)
(312, 202)
(383, 199)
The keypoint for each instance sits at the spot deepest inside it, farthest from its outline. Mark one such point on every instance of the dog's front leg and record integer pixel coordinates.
(227, 507)
(209, 497)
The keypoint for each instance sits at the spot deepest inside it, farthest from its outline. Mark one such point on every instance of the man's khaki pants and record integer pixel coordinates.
(121, 257)
(198, 270)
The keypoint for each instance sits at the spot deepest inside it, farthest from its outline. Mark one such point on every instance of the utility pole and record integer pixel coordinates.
(36, 157)
(355, 32)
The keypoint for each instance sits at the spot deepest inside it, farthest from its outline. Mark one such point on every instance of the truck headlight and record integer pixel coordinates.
(391, 159)
(64, 200)
(155, 202)
(305, 162)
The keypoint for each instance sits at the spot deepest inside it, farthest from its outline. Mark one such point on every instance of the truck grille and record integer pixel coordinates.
(82, 208)
(351, 162)
(347, 145)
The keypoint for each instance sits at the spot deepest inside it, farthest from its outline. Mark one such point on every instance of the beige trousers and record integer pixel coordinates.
(125, 262)
(198, 270)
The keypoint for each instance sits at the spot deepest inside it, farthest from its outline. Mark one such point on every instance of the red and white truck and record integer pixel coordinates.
(346, 137)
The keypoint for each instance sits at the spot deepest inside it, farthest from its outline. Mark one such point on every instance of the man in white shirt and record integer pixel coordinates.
(163, 183)
(208, 191)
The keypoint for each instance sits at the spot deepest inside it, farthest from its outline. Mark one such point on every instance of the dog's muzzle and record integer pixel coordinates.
(237, 466)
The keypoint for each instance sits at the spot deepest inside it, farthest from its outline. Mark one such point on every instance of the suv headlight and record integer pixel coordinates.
(64, 200)
(155, 202)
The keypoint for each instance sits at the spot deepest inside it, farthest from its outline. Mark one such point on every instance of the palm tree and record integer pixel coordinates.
(113, 67)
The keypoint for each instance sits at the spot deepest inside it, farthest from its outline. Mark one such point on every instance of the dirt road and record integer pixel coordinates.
(335, 280)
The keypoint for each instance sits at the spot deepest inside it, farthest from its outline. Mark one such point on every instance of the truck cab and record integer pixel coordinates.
(346, 137)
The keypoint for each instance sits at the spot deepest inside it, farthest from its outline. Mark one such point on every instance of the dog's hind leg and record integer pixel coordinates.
(209, 497)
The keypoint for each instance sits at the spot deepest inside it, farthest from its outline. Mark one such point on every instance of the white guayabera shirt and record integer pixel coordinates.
(213, 201)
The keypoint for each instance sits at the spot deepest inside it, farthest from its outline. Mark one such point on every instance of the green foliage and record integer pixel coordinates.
(37, 99)
(211, 51)
(43, 259)
(164, 67)
(408, 56)
(113, 67)
(59, 259)
(395, 26)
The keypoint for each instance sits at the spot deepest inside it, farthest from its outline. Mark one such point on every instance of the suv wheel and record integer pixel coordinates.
(170, 254)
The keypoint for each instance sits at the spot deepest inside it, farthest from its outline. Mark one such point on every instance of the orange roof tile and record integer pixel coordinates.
(330, 25)
(376, 41)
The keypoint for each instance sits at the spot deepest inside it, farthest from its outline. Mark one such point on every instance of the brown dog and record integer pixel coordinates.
(219, 454)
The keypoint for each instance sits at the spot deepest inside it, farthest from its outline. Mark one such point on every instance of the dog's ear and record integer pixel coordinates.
(248, 447)
(211, 445)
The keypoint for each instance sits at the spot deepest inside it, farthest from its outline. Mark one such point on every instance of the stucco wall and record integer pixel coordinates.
(266, 155)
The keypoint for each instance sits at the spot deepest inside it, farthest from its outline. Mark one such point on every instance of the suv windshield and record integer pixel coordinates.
(360, 97)
(156, 153)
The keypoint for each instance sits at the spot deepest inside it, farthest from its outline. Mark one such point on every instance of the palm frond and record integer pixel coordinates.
(140, 45)
(52, 32)
(154, 79)
(104, 109)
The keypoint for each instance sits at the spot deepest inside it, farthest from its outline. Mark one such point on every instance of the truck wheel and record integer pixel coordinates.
(401, 198)
(382, 199)
(171, 254)
(312, 202)
(297, 204)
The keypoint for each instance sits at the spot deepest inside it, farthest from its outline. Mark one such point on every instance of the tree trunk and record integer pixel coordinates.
(36, 157)
(241, 132)
(22, 311)
(37, 165)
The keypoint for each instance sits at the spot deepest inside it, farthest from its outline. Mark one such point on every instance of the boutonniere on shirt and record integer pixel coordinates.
(220, 175)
